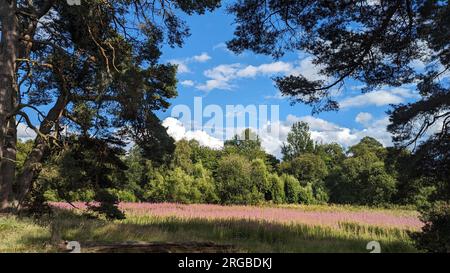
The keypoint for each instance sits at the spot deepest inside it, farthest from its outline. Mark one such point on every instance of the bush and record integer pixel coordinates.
(306, 195)
(123, 195)
(306, 168)
(180, 187)
(321, 195)
(234, 181)
(81, 195)
(362, 180)
(107, 205)
(205, 184)
(292, 188)
(259, 176)
(277, 194)
(435, 235)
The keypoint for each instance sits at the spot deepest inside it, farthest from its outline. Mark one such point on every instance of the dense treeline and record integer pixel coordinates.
(240, 173)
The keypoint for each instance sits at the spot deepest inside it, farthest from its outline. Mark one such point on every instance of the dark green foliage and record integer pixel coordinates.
(362, 178)
(94, 70)
(377, 44)
(107, 205)
(306, 168)
(36, 203)
(435, 235)
(234, 181)
(247, 144)
(292, 188)
(277, 194)
(332, 154)
(84, 170)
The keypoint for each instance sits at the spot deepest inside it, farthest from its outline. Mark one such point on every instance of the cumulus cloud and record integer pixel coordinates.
(378, 98)
(204, 57)
(183, 63)
(182, 66)
(223, 76)
(178, 131)
(222, 46)
(322, 131)
(187, 83)
(24, 132)
(363, 118)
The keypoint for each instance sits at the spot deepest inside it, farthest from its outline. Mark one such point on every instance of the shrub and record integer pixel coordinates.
(321, 195)
(259, 176)
(306, 195)
(306, 168)
(292, 188)
(435, 235)
(362, 180)
(234, 182)
(205, 184)
(123, 195)
(277, 194)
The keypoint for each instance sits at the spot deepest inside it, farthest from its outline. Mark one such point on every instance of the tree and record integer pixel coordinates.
(182, 156)
(298, 141)
(292, 188)
(86, 165)
(376, 43)
(435, 235)
(234, 181)
(277, 194)
(368, 145)
(362, 180)
(247, 144)
(307, 168)
(58, 60)
(332, 154)
(260, 176)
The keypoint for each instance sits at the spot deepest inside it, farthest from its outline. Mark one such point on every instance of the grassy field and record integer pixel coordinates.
(241, 233)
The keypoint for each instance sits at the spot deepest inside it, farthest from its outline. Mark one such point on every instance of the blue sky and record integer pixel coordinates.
(209, 70)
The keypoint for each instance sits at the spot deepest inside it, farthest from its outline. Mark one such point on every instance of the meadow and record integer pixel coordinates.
(169, 227)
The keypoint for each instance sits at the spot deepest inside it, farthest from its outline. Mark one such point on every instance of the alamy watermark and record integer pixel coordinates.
(229, 121)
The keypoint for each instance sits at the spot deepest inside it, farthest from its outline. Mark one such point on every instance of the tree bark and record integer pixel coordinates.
(32, 165)
(8, 55)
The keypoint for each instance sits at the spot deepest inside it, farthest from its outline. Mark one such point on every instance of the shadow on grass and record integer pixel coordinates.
(171, 234)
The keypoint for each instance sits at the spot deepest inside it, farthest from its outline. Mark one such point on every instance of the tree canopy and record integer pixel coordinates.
(91, 70)
(374, 42)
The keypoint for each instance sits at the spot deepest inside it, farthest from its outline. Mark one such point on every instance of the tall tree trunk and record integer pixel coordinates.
(32, 165)
(8, 55)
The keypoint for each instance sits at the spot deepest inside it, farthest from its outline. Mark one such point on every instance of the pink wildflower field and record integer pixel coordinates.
(323, 217)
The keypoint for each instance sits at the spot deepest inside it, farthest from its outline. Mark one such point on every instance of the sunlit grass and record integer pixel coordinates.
(24, 235)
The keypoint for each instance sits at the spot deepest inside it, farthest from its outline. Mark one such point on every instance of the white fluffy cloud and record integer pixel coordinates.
(363, 118)
(182, 66)
(322, 131)
(177, 130)
(187, 83)
(183, 63)
(24, 132)
(222, 76)
(204, 57)
(378, 98)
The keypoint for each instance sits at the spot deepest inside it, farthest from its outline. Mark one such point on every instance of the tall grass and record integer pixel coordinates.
(245, 235)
